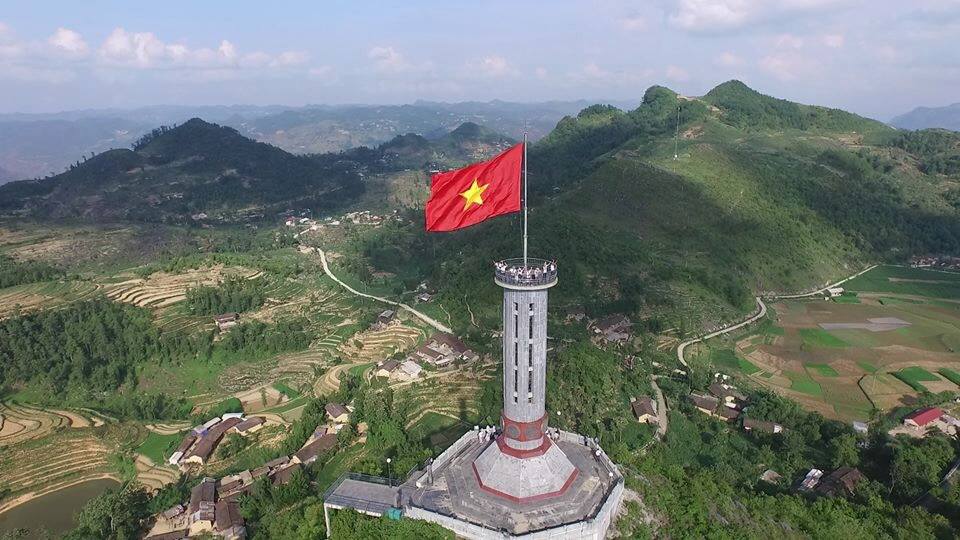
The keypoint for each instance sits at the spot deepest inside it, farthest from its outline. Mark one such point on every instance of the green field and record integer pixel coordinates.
(284, 388)
(867, 366)
(817, 337)
(802, 382)
(950, 375)
(359, 370)
(155, 446)
(847, 298)
(824, 370)
(728, 358)
(915, 377)
(917, 282)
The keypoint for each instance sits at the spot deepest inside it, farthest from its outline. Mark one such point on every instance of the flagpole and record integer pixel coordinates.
(524, 199)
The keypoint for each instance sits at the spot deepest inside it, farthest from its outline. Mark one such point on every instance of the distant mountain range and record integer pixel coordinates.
(946, 117)
(202, 172)
(38, 145)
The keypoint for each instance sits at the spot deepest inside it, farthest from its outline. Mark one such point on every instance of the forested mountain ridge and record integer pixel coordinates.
(176, 174)
(764, 195)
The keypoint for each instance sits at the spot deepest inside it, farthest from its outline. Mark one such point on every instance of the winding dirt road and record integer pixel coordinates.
(420, 315)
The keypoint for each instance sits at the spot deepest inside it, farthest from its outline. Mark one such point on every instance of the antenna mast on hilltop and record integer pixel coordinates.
(676, 140)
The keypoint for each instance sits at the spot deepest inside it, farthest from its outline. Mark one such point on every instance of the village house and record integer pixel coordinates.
(811, 480)
(337, 413)
(441, 350)
(384, 318)
(185, 445)
(386, 368)
(424, 297)
(727, 414)
(860, 428)
(408, 370)
(208, 440)
(312, 450)
(705, 404)
(713, 406)
(282, 476)
(834, 292)
(842, 482)
(728, 394)
(202, 506)
(229, 522)
(749, 424)
(613, 329)
(922, 418)
(250, 425)
(645, 410)
(225, 321)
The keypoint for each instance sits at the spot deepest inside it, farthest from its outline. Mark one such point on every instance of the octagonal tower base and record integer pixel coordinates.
(546, 472)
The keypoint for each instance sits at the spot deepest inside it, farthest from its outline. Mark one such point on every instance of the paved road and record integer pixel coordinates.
(422, 316)
(761, 312)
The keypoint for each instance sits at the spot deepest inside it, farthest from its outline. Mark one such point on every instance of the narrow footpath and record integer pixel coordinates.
(420, 315)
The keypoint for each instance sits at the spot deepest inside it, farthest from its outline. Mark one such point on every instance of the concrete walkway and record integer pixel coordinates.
(422, 316)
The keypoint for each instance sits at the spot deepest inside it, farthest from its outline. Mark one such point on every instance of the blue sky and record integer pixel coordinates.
(878, 58)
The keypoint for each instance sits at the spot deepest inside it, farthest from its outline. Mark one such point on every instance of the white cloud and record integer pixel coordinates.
(388, 59)
(541, 73)
(719, 15)
(728, 59)
(834, 41)
(69, 42)
(597, 76)
(633, 23)
(144, 50)
(788, 41)
(787, 65)
(675, 73)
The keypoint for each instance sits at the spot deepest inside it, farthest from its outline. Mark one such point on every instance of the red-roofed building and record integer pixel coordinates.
(922, 417)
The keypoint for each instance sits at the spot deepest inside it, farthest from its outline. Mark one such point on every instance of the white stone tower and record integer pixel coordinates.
(524, 465)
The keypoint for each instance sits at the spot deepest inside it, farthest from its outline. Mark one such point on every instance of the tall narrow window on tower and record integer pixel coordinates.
(516, 384)
(516, 320)
(531, 326)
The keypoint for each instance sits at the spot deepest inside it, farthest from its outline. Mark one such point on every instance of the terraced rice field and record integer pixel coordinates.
(160, 290)
(455, 396)
(22, 423)
(154, 476)
(57, 460)
(44, 295)
(367, 347)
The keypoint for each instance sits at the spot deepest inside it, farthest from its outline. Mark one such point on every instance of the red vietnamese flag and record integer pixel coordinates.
(476, 192)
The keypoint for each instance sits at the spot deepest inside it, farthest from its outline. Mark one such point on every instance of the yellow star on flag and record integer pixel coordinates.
(473, 195)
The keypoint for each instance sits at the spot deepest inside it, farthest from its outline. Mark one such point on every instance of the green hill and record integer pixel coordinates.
(172, 174)
(765, 196)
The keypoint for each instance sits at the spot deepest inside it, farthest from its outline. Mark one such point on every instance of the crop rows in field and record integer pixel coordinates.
(44, 295)
(161, 290)
(57, 460)
(21, 423)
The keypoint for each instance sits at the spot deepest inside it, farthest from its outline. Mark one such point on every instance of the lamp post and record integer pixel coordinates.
(389, 477)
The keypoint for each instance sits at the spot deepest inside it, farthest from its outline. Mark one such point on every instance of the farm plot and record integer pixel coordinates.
(161, 289)
(44, 295)
(21, 423)
(841, 359)
(56, 460)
